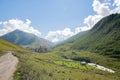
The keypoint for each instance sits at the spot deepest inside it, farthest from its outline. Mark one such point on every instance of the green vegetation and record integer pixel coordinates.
(7, 46)
(103, 38)
(91, 57)
(51, 66)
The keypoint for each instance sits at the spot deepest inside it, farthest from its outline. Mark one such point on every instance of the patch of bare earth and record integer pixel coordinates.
(8, 64)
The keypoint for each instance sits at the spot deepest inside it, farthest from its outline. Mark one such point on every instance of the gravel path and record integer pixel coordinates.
(8, 64)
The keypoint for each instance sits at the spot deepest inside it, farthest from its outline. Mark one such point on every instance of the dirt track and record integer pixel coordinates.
(8, 64)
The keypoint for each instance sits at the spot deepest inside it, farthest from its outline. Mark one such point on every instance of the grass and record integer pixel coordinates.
(58, 64)
(89, 57)
(7, 46)
(50, 66)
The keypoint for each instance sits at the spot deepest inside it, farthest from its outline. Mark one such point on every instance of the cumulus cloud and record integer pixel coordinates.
(101, 8)
(14, 24)
(59, 35)
(91, 20)
(80, 29)
(116, 4)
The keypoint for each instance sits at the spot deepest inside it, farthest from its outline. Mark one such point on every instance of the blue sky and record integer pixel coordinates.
(49, 16)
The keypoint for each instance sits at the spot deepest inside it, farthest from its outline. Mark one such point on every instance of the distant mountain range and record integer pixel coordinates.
(28, 40)
(103, 38)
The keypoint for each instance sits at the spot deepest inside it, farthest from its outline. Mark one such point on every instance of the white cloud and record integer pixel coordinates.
(116, 4)
(80, 29)
(101, 8)
(14, 24)
(28, 22)
(107, 0)
(59, 35)
(91, 20)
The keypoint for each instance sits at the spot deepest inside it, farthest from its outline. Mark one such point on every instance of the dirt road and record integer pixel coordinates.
(8, 64)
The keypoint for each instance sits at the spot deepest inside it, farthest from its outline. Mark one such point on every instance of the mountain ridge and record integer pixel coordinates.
(26, 40)
(103, 38)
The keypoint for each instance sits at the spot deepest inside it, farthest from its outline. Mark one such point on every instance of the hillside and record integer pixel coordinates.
(27, 40)
(103, 38)
(7, 46)
(52, 66)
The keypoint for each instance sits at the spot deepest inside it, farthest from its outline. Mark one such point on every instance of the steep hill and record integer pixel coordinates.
(27, 40)
(103, 38)
(7, 46)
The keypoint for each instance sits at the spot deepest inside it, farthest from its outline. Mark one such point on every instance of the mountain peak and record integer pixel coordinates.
(20, 31)
(108, 22)
(17, 30)
(26, 39)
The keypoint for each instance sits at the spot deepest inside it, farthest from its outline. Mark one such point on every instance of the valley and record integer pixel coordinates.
(60, 40)
(98, 49)
(54, 66)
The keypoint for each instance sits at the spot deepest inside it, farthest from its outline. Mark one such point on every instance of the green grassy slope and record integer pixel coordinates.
(103, 38)
(7, 46)
(72, 39)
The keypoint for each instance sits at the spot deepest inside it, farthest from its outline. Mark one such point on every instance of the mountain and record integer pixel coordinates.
(103, 38)
(27, 40)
